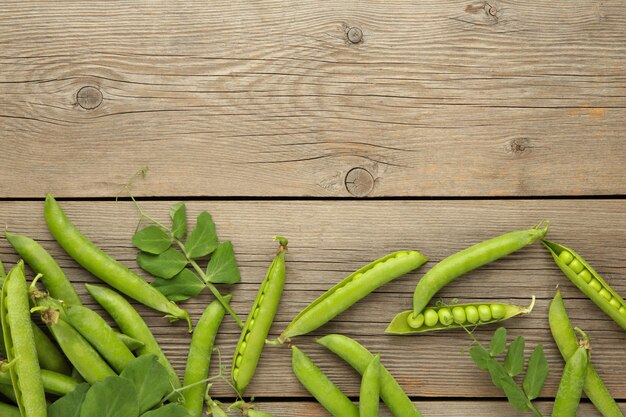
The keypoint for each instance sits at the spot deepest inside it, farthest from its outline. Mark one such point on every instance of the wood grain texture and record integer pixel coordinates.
(454, 98)
(328, 240)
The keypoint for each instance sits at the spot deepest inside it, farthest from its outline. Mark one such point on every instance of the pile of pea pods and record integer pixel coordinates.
(80, 346)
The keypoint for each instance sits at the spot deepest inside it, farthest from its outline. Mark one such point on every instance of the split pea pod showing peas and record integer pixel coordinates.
(469, 259)
(199, 358)
(53, 278)
(588, 281)
(351, 289)
(322, 388)
(369, 397)
(131, 324)
(259, 321)
(455, 317)
(20, 344)
(100, 264)
(566, 341)
(359, 358)
(572, 381)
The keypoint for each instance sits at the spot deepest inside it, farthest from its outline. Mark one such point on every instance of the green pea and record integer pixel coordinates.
(459, 315)
(415, 321)
(605, 294)
(622, 311)
(238, 361)
(484, 312)
(566, 257)
(585, 274)
(595, 284)
(445, 316)
(614, 302)
(430, 317)
(471, 313)
(576, 266)
(497, 311)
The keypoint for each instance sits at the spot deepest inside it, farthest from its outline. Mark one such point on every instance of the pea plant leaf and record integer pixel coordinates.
(178, 213)
(111, 397)
(480, 356)
(514, 360)
(164, 265)
(182, 286)
(203, 238)
(69, 405)
(152, 239)
(150, 380)
(513, 392)
(536, 373)
(498, 342)
(222, 268)
(168, 410)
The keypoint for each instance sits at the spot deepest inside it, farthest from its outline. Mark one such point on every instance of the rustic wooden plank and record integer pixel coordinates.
(452, 98)
(328, 240)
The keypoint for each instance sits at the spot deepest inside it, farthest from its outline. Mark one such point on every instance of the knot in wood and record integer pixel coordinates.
(89, 97)
(519, 146)
(359, 182)
(355, 35)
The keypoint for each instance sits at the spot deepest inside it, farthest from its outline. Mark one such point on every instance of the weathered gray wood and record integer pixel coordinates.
(437, 98)
(328, 240)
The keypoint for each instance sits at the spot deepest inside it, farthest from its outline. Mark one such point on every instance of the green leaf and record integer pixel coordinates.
(69, 405)
(536, 373)
(203, 238)
(514, 393)
(152, 239)
(164, 265)
(150, 379)
(168, 410)
(498, 343)
(480, 356)
(514, 360)
(183, 286)
(111, 397)
(222, 268)
(178, 213)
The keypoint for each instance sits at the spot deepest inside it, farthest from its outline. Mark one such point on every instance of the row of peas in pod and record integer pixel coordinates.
(86, 348)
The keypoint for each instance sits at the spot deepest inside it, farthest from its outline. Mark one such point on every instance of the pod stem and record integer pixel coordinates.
(543, 226)
(282, 241)
(527, 310)
(584, 342)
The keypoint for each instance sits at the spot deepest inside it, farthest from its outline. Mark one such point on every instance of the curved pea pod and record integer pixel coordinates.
(130, 342)
(459, 316)
(53, 382)
(100, 264)
(588, 281)
(50, 357)
(322, 388)
(8, 410)
(469, 259)
(259, 321)
(369, 397)
(566, 341)
(572, 382)
(20, 344)
(199, 358)
(350, 290)
(41, 262)
(359, 358)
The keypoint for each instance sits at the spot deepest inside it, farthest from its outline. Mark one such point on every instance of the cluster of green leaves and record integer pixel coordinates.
(139, 391)
(503, 374)
(171, 255)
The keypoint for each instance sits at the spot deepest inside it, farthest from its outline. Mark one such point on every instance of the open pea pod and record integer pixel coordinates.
(588, 281)
(455, 317)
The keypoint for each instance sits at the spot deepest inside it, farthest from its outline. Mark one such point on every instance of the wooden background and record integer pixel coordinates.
(355, 128)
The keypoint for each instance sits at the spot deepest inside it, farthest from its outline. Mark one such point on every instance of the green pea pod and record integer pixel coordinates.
(50, 357)
(259, 321)
(350, 290)
(458, 316)
(7, 410)
(322, 388)
(572, 381)
(256, 413)
(130, 342)
(8, 392)
(101, 336)
(20, 344)
(199, 358)
(369, 397)
(469, 259)
(588, 281)
(100, 264)
(53, 382)
(53, 278)
(359, 358)
(131, 324)
(566, 340)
